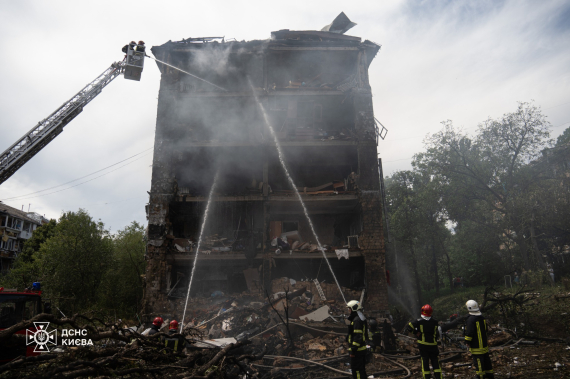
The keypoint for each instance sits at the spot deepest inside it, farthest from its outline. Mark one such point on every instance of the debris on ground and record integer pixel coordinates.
(289, 333)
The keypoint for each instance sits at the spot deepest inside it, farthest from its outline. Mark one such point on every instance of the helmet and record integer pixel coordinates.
(158, 321)
(173, 324)
(373, 324)
(354, 305)
(473, 307)
(141, 42)
(427, 310)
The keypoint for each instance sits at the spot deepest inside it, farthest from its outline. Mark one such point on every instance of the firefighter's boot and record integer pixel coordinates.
(489, 376)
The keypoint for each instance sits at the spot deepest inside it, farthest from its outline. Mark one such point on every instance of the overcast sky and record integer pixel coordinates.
(458, 60)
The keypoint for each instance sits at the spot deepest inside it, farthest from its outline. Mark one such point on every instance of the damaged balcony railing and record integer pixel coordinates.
(380, 130)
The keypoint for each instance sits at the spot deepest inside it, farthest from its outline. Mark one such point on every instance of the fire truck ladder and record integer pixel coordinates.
(46, 130)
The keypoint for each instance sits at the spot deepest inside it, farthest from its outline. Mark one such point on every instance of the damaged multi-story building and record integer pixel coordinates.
(315, 89)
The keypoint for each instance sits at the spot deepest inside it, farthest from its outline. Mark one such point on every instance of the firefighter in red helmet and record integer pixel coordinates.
(426, 330)
(155, 327)
(174, 341)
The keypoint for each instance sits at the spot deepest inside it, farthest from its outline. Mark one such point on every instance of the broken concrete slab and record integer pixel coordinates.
(217, 342)
(320, 314)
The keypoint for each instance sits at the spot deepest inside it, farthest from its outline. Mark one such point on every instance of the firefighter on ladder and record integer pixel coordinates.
(476, 338)
(357, 339)
(426, 330)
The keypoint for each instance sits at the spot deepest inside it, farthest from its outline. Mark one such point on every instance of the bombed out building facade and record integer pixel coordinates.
(314, 88)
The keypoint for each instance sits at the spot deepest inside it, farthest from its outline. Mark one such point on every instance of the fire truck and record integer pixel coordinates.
(16, 306)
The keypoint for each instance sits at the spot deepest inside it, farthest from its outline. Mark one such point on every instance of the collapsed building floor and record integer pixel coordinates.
(314, 87)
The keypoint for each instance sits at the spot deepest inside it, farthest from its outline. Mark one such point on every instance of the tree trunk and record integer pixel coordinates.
(523, 249)
(416, 274)
(449, 275)
(435, 272)
(537, 253)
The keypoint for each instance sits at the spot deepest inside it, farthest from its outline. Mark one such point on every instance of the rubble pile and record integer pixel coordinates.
(291, 333)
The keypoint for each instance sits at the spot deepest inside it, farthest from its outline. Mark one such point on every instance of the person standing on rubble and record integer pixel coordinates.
(476, 338)
(426, 330)
(174, 340)
(357, 339)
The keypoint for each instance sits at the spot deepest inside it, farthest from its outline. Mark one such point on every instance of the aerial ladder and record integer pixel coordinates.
(46, 130)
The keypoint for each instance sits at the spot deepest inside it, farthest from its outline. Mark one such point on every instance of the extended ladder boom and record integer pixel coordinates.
(46, 130)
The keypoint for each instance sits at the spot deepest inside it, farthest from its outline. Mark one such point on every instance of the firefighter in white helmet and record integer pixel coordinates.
(357, 339)
(476, 338)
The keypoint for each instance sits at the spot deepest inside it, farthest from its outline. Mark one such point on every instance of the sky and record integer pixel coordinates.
(464, 61)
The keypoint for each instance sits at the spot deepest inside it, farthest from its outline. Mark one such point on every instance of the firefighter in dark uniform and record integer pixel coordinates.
(132, 45)
(140, 47)
(426, 331)
(375, 336)
(476, 338)
(173, 341)
(357, 339)
(155, 327)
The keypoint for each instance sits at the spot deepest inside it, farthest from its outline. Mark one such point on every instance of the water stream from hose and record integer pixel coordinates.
(187, 73)
(198, 245)
(282, 160)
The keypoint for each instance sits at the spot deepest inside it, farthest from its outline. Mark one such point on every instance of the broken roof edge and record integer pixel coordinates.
(285, 34)
(279, 36)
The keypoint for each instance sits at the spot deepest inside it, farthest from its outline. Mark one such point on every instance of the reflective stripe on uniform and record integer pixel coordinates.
(479, 334)
(438, 365)
(480, 371)
(424, 372)
(468, 338)
(482, 350)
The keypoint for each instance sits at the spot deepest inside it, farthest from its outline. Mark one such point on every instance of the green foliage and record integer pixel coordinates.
(82, 267)
(122, 287)
(564, 138)
(39, 236)
(483, 206)
(26, 270)
(74, 261)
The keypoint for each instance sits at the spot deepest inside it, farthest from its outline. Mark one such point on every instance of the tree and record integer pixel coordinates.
(122, 287)
(488, 177)
(25, 270)
(74, 260)
(418, 225)
(564, 138)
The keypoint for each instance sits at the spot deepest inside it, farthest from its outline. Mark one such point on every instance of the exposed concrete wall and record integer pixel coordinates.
(371, 239)
(186, 119)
